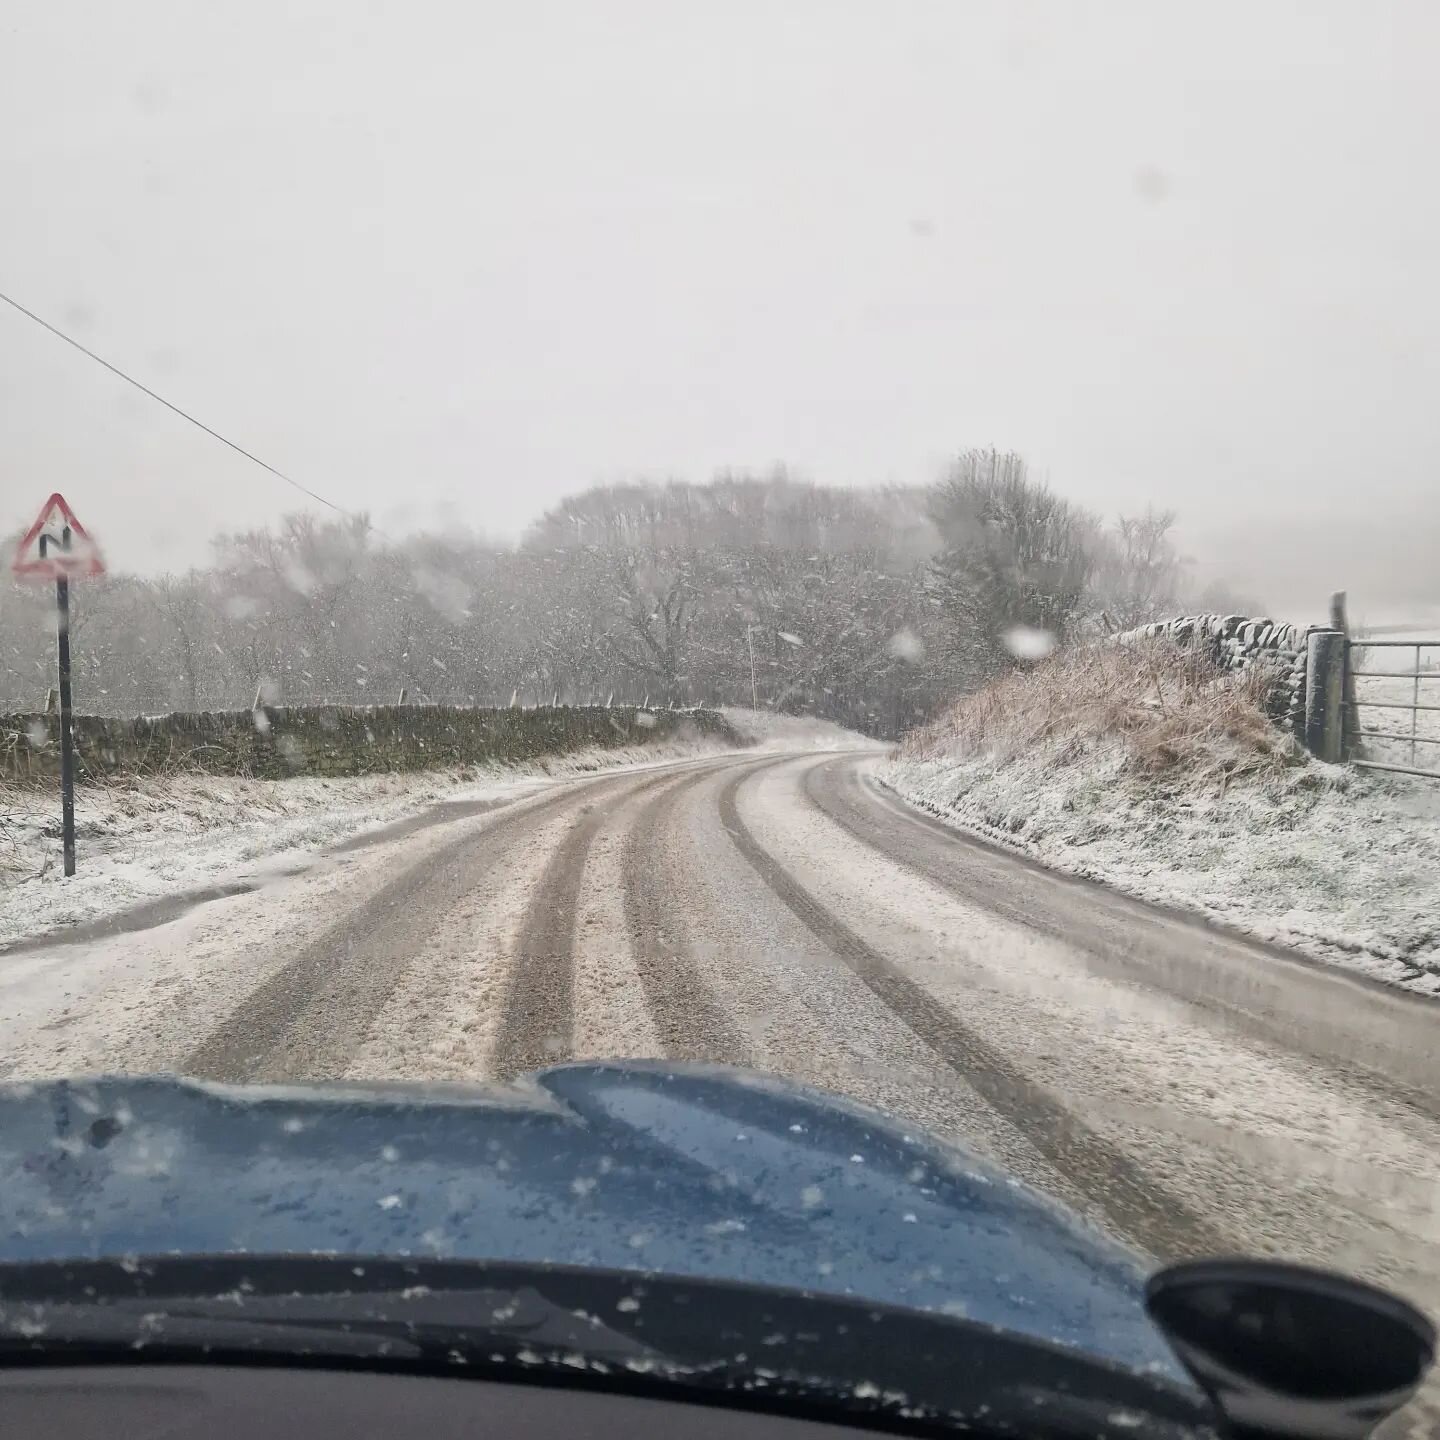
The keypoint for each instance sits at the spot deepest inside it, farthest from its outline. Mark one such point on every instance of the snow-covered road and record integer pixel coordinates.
(1190, 1091)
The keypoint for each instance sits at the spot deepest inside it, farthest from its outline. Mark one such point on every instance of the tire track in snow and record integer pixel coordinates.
(539, 1024)
(687, 1016)
(308, 1020)
(1157, 1222)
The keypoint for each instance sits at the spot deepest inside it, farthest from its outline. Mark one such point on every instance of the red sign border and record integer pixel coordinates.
(50, 568)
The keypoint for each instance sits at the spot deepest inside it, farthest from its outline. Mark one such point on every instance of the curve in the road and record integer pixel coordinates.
(309, 1020)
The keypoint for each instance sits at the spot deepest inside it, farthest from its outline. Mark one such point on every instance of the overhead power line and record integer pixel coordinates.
(183, 414)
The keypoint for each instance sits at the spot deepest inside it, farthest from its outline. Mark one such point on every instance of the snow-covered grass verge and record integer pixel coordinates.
(1139, 769)
(155, 838)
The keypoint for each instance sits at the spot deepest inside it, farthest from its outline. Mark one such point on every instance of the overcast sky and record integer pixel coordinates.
(449, 261)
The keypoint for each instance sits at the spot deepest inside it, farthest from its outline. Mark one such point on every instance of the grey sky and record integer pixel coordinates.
(457, 259)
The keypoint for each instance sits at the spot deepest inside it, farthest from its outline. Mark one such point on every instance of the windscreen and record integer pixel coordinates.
(890, 548)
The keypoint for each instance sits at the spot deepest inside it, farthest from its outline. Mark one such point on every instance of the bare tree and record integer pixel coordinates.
(867, 606)
(1014, 554)
(1137, 575)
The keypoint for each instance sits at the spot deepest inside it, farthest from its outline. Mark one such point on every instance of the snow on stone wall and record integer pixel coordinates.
(332, 740)
(1238, 642)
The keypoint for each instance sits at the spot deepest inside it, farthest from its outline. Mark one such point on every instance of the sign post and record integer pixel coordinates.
(57, 547)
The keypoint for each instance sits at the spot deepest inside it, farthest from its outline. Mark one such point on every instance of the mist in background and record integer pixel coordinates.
(447, 263)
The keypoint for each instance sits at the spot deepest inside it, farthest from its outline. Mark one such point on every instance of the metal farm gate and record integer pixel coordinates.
(1392, 715)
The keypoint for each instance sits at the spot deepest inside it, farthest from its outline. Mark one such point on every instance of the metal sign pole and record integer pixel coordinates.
(67, 729)
(67, 737)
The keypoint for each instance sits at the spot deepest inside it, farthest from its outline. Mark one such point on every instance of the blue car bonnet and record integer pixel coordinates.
(685, 1170)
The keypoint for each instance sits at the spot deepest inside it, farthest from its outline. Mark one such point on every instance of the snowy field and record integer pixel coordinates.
(1379, 695)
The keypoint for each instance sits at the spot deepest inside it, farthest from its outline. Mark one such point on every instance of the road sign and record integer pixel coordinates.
(57, 547)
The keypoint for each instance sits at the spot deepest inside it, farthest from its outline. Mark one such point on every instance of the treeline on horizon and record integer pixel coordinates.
(868, 607)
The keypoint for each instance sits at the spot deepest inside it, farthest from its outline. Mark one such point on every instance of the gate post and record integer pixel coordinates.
(1324, 695)
(1350, 743)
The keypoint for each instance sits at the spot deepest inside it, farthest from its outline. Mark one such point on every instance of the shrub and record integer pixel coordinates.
(1173, 711)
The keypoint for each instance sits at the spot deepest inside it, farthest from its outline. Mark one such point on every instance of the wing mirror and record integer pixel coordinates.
(1284, 1350)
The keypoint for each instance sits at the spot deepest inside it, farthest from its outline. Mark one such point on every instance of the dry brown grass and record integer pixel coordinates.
(1174, 712)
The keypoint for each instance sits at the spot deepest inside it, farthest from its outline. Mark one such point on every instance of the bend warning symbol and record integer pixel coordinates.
(57, 547)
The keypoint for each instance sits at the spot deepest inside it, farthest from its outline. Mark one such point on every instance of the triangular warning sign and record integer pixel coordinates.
(57, 547)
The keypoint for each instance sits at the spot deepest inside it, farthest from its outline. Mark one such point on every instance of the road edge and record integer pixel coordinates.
(1195, 918)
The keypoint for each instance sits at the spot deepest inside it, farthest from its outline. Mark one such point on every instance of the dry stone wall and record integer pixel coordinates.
(1237, 643)
(334, 739)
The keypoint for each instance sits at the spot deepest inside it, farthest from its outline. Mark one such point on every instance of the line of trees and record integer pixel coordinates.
(869, 607)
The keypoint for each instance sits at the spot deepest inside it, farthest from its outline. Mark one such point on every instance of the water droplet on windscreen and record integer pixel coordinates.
(1026, 643)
